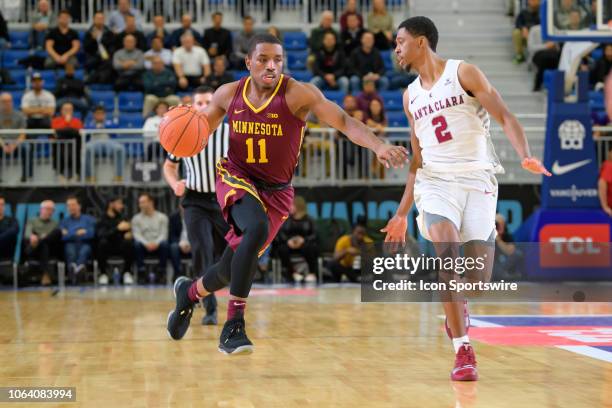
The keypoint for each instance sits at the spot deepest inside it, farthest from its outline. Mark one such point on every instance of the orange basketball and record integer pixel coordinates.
(183, 132)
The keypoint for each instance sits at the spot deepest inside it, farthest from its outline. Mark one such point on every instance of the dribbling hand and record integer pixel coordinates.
(534, 166)
(179, 188)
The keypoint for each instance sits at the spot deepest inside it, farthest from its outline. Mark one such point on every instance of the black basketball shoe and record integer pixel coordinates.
(179, 318)
(234, 339)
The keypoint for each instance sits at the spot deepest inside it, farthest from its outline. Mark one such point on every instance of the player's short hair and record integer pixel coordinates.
(202, 89)
(263, 38)
(421, 25)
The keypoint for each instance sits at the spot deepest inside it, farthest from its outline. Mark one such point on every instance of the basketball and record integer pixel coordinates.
(183, 132)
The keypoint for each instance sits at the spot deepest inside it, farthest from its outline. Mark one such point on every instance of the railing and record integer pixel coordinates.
(127, 158)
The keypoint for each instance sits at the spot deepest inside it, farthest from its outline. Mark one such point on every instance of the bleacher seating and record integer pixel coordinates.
(130, 121)
(392, 100)
(295, 41)
(397, 119)
(130, 101)
(302, 75)
(49, 79)
(104, 98)
(386, 56)
(335, 96)
(17, 95)
(20, 40)
(11, 58)
(296, 60)
(19, 76)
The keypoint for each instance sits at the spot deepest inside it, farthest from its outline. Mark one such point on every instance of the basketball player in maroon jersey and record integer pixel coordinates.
(266, 112)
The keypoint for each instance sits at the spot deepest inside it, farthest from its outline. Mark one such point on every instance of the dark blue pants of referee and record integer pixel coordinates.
(206, 231)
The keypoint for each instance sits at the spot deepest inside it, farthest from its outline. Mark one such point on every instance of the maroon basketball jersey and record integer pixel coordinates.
(265, 141)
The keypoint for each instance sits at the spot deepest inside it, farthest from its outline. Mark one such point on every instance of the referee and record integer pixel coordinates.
(206, 227)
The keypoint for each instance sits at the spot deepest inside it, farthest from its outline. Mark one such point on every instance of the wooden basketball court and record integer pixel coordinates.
(313, 348)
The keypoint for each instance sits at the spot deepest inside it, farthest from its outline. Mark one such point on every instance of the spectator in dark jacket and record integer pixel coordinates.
(159, 86)
(366, 63)
(526, 19)
(179, 243)
(298, 236)
(350, 9)
(219, 76)
(241, 43)
(217, 40)
(159, 30)
(602, 67)
(42, 239)
(317, 33)
(78, 232)
(130, 29)
(329, 66)
(42, 20)
(175, 38)
(367, 95)
(351, 37)
(8, 233)
(62, 43)
(5, 40)
(99, 45)
(72, 89)
(128, 63)
(114, 233)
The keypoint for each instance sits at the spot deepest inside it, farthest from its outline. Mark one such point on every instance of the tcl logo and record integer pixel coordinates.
(575, 245)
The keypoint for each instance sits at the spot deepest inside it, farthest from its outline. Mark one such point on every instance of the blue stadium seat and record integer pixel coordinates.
(297, 60)
(597, 53)
(397, 119)
(386, 56)
(19, 76)
(240, 74)
(131, 121)
(20, 40)
(600, 117)
(17, 95)
(596, 100)
(335, 96)
(392, 100)
(130, 101)
(101, 87)
(104, 98)
(295, 41)
(50, 80)
(78, 73)
(304, 76)
(11, 58)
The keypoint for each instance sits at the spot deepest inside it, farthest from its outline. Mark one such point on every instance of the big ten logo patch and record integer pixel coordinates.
(575, 245)
(272, 115)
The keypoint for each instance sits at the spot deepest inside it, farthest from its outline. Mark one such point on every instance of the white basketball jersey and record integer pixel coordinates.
(452, 126)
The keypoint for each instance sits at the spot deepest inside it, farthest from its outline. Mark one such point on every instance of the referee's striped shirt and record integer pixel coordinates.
(200, 169)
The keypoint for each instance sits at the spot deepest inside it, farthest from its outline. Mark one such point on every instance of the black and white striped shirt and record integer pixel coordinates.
(200, 169)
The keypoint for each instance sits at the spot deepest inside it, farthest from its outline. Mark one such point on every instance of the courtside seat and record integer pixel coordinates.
(130, 101)
(295, 41)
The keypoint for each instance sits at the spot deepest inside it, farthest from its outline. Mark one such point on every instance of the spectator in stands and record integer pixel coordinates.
(157, 50)
(67, 128)
(99, 45)
(175, 37)
(366, 63)
(178, 240)
(590, 18)
(150, 230)
(159, 86)
(380, 23)
(62, 43)
(317, 33)
(544, 55)
(508, 258)
(129, 63)
(38, 104)
(217, 40)
(150, 132)
(159, 30)
(399, 77)
(9, 228)
(187, 99)
(130, 29)
(576, 19)
(241, 43)
(527, 18)
(72, 89)
(5, 39)
(115, 239)
(191, 63)
(350, 8)
(78, 232)
(604, 185)
(351, 36)
(298, 237)
(368, 95)
(349, 104)
(329, 66)
(219, 76)
(13, 119)
(102, 144)
(42, 239)
(347, 254)
(376, 118)
(42, 19)
(563, 15)
(116, 19)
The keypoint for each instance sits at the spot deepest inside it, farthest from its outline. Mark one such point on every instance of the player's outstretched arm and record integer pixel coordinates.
(330, 113)
(396, 227)
(218, 106)
(474, 81)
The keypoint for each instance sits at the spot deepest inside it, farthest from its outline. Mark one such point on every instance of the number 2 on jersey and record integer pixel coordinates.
(262, 151)
(440, 125)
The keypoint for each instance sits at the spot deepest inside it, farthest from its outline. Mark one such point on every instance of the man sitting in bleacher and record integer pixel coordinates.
(62, 43)
(219, 76)
(217, 40)
(350, 8)
(102, 144)
(42, 239)
(241, 43)
(191, 63)
(159, 30)
(158, 50)
(10, 118)
(129, 63)
(130, 29)
(159, 86)
(366, 63)
(99, 45)
(329, 66)
(38, 104)
(116, 20)
(42, 19)
(78, 231)
(351, 37)
(317, 33)
(175, 38)
(72, 89)
(8, 233)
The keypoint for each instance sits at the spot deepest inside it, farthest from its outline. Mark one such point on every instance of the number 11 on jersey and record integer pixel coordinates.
(251, 154)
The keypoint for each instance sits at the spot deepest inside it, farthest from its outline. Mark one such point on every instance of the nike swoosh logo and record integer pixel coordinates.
(489, 192)
(236, 112)
(415, 98)
(559, 170)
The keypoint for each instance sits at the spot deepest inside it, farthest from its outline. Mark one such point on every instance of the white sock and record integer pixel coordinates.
(458, 342)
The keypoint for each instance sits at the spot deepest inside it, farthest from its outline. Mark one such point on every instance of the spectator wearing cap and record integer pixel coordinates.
(42, 239)
(175, 38)
(41, 20)
(101, 144)
(350, 8)
(159, 30)
(130, 29)
(217, 40)
(62, 43)
(99, 45)
(191, 63)
(8, 233)
(129, 63)
(241, 43)
(78, 231)
(604, 184)
(158, 50)
(380, 23)
(159, 86)
(67, 130)
(219, 76)
(71, 89)
(366, 63)
(38, 104)
(116, 19)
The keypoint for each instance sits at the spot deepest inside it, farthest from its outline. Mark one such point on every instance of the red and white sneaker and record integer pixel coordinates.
(465, 365)
(466, 315)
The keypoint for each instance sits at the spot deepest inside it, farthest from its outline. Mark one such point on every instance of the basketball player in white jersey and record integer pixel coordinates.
(451, 177)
